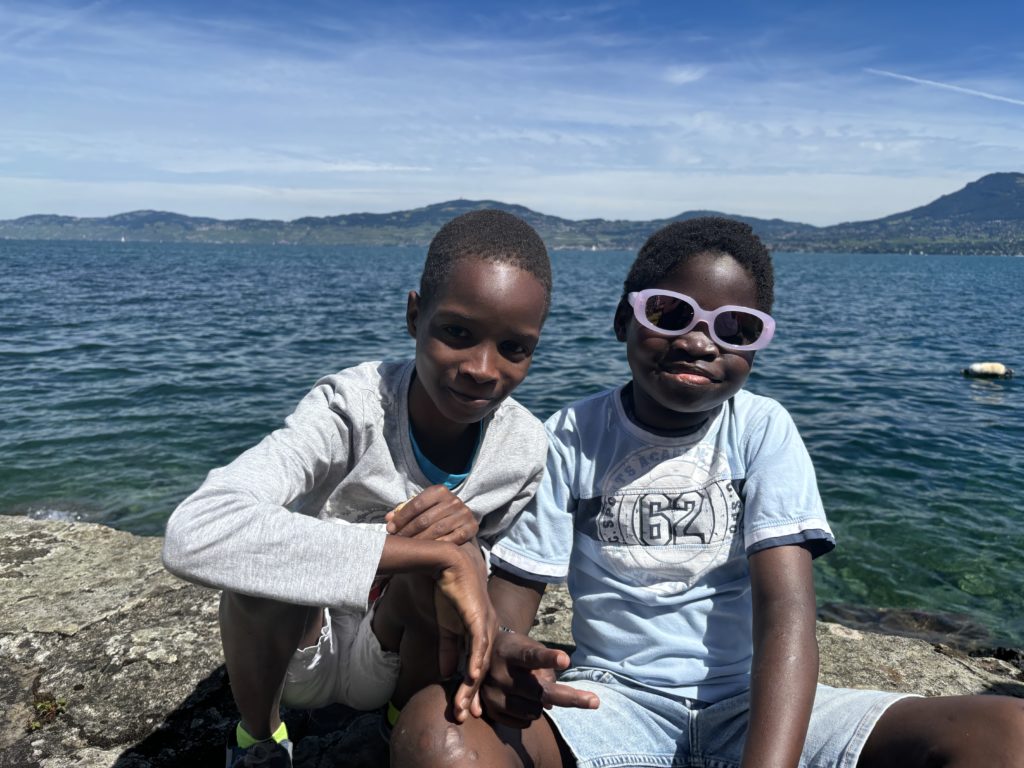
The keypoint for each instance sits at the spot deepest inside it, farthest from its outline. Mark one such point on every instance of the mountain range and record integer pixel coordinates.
(985, 217)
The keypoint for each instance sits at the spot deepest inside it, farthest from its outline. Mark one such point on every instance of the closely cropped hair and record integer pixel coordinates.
(487, 234)
(679, 241)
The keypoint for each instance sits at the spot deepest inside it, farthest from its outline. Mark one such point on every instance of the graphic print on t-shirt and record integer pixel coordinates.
(664, 519)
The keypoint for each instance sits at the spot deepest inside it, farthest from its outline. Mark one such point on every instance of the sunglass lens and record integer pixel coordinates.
(739, 328)
(668, 313)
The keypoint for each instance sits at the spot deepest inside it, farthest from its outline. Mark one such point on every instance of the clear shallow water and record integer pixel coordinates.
(127, 371)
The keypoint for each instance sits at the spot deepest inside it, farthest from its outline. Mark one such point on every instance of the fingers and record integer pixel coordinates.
(518, 711)
(458, 536)
(437, 514)
(465, 615)
(467, 696)
(512, 710)
(521, 683)
(481, 638)
(426, 499)
(434, 524)
(525, 652)
(561, 695)
(537, 656)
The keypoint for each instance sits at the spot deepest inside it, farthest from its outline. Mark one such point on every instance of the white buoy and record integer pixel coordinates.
(987, 371)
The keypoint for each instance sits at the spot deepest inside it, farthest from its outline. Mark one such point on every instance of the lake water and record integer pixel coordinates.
(127, 371)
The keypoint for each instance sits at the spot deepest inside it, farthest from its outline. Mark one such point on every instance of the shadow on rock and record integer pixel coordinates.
(193, 734)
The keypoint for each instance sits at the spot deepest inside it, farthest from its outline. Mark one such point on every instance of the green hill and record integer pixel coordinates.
(986, 216)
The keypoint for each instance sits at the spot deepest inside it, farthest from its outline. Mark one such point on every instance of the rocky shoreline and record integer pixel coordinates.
(108, 660)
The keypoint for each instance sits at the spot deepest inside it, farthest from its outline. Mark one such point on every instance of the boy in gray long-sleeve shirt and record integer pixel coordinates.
(431, 451)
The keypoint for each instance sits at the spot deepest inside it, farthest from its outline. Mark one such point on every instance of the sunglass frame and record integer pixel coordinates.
(638, 300)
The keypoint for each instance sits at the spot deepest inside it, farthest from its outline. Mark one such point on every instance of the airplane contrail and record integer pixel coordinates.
(947, 86)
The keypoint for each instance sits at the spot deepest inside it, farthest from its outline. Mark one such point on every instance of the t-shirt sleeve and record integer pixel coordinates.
(238, 531)
(521, 469)
(781, 500)
(538, 543)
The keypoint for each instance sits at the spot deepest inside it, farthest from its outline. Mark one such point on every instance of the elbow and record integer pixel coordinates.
(177, 556)
(173, 560)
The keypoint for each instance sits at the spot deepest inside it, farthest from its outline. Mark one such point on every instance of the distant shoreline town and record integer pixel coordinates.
(986, 217)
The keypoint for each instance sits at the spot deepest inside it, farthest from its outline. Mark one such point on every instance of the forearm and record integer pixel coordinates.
(783, 680)
(784, 671)
(405, 555)
(515, 600)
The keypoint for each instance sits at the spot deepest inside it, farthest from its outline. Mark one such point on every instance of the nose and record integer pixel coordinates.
(697, 342)
(481, 363)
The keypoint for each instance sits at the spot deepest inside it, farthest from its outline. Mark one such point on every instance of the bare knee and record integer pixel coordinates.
(989, 731)
(264, 616)
(426, 737)
(954, 732)
(420, 738)
(411, 593)
(997, 735)
(406, 606)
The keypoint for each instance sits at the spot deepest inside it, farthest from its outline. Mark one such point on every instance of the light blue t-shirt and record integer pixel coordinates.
(654, 532)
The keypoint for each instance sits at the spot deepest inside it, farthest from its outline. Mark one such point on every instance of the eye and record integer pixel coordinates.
(727, 326)
(514, 351)
(455, 331)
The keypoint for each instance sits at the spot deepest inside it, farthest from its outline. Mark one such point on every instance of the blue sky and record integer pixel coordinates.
(815, 112)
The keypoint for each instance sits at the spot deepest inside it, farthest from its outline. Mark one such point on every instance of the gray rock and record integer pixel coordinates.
(110, 661)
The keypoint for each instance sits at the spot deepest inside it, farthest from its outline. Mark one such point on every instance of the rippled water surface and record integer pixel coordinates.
(128, 370)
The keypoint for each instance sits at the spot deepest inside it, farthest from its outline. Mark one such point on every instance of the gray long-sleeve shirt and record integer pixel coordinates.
(299, 517)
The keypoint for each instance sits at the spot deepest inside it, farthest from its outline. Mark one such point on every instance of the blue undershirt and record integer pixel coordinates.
(434, 473)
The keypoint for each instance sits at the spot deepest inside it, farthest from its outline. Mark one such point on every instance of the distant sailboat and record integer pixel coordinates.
(122, 238)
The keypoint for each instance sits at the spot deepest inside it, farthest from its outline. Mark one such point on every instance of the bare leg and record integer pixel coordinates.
(259, 638)
(426, 736)
(964, 731)
(405, 622)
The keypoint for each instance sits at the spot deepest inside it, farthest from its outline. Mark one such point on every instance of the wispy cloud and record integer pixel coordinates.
(947, 87)
(289, 109)
(39, 24)
(685, 74)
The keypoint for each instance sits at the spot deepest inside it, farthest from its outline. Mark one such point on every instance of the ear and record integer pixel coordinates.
(623, 315)
(412, 313)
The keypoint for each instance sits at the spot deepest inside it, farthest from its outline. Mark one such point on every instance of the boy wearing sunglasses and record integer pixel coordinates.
(685, 513)
(370, 500)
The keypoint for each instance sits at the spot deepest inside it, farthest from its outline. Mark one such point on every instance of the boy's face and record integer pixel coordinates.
(678, 380)
(475, 341)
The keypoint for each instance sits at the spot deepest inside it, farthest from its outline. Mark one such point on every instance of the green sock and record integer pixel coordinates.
(245, 740)
(393, 713)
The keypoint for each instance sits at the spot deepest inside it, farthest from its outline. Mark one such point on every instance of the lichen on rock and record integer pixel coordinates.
(127, 661)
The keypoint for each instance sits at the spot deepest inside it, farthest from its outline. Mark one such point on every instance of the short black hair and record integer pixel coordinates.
(488, 234)
(679, 241)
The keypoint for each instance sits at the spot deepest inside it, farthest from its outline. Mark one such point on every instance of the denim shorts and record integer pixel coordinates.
(641, 728)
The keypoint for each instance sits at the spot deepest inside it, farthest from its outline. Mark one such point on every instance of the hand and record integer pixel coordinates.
(435, 513)
(464, 610)
(521, 683)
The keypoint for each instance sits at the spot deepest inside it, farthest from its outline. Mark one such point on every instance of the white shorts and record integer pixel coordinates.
(346, 666)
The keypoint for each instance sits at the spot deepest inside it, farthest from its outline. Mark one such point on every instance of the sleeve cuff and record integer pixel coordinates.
(816, 540)
(526, 567)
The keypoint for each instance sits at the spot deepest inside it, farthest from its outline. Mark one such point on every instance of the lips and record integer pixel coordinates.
(470, 398)
(691, 374)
